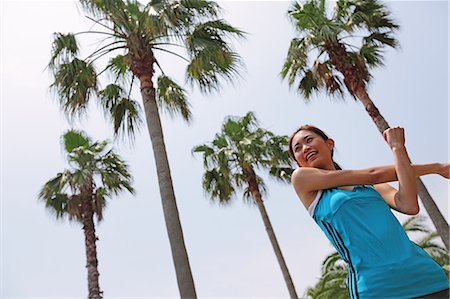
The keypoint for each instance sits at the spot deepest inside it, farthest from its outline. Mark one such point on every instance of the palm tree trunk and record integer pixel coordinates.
(250, 177)
(356, 86)
(91, 249)
(173, 225)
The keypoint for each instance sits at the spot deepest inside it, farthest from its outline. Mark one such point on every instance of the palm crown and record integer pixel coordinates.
(95, 174)
(347, 44)
(236, 151)
(190, 31)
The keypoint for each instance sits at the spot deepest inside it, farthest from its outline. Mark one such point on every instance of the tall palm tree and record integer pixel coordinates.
(80, 192)
(333, 284)
(230, 161)
(192, 32)
(345, 46)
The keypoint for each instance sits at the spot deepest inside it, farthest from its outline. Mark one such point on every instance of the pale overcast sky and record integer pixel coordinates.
(229, 250)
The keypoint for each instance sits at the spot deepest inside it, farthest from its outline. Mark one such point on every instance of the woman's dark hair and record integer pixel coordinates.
(315, 130)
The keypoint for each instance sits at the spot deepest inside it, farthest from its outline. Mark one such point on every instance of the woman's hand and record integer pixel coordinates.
(395, 137)
(444, 170)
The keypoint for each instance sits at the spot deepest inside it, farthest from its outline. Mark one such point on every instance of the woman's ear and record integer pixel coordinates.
(330, 143)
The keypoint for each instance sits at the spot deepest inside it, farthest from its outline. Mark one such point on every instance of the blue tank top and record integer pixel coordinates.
(382, 261)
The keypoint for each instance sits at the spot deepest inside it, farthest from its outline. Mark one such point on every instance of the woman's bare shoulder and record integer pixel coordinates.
(305, 196)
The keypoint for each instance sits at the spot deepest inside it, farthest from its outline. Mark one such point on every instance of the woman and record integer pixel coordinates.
(353, 208)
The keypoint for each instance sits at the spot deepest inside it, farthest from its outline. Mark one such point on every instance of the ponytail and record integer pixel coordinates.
(337, 166)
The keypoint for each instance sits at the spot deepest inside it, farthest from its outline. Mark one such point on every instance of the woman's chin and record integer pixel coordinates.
(316, 163)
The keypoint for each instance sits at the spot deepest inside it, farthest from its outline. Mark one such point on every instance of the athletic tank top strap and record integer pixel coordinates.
(313, 205)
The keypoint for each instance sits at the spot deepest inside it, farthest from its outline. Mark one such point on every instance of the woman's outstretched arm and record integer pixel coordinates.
(389, 174)
(313, 179)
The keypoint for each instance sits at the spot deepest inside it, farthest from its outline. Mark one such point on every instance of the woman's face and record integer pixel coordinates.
(310, 150)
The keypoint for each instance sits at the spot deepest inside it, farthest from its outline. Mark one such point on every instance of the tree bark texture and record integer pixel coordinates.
(144, 71)
(250, 178)
(90, 243)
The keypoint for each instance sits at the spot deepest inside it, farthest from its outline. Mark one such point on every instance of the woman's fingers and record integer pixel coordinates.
(394, 136)
(445, 170)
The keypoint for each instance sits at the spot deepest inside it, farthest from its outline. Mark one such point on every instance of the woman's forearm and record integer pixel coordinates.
(406, 198)
(388, 173)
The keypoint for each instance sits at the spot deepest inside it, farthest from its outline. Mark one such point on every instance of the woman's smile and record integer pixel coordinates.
(311, 156)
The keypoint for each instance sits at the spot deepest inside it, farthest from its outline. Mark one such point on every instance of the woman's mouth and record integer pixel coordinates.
(311, 156)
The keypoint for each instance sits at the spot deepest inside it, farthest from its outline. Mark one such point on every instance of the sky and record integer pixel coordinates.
(229, 251)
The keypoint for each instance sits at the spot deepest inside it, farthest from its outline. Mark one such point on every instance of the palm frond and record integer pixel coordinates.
(154, 27)
(331, 261)
(282, 174)
(308, 85)
(218, 185)
(211, 56)
(296, 59)
(73, 139)
(57, 185)
(64, 49)
(172, 97)
(114, 174)
(180, 15)
(415, 224)
(370, 15)
(381, 39)
(248, 196)
(307, 16)
(372, 55)
(102, 8)
(204, 8)
(119, 68)
(208, 155)
(209, 65)
(124, 112)
(327, 79)
(75, 82)
(99, 202)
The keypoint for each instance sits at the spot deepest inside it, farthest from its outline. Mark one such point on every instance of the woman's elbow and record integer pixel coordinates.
(413, 211)
(407, 204)
(412, 208)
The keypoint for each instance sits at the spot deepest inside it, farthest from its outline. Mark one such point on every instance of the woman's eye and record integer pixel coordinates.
(308, 140)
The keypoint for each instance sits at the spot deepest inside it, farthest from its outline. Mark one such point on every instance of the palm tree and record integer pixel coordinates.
(95, 175)
(342, 58)
(333, 284)
(188, 30)
(428, 241)
(230, 161)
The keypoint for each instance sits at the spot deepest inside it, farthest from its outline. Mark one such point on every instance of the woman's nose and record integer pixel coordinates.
(306, 148)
